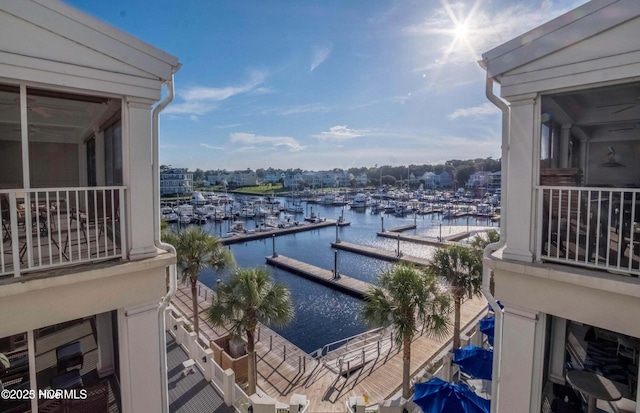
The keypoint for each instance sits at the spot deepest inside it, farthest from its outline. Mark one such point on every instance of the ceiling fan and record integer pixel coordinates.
(627, 106)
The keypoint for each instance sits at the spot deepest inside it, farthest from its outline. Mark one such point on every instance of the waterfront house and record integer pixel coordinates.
(81, 273)
(567, 270)
(176, 182)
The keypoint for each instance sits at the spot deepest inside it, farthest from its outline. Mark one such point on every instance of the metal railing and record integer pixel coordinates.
(597, 228)
(56, 227)
(357, 341)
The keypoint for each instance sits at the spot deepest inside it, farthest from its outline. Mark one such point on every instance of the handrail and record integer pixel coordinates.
(324, 350)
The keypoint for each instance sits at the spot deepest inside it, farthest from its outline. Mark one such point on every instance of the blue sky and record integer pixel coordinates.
(327, 84)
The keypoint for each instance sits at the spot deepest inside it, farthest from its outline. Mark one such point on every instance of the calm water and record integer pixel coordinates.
(324, 315)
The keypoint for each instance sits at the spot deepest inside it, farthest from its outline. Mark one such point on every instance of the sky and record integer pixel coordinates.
(323, 84)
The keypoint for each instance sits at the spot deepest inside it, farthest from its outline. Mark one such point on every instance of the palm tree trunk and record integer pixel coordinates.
(456, 322)
(194, 304)
(251, 360)
(406, 366)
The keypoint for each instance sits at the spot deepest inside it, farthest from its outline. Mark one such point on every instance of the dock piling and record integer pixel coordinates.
(273, 246)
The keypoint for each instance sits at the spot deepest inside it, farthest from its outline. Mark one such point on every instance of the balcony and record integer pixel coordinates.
(48, 228)
(596, 228)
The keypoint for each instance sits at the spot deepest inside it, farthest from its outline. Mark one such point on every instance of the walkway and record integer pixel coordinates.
(283, 369)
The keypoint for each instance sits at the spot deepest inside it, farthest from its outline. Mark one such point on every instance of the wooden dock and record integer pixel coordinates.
(391, 256)
(237, 237)
(351, 286)
(417, 239)
(402, 228)
(283, 369)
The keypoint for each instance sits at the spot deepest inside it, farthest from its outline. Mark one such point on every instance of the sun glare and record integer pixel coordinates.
(461, 31)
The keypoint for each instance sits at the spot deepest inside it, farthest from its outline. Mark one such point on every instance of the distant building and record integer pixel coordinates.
(176, 181)
(479, 179)
(445, 180)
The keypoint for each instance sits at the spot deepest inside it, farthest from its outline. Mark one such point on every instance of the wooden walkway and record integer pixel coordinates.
(344, 283)
(283, 369)
(417, 239)
(378, 253)
(237, 238)
(402, 228)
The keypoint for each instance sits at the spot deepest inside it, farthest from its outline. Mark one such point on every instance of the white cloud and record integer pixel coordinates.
(320, 54)
(199, 100)
(476, 112)
(274, 141)
(341, 132)
(206, 145)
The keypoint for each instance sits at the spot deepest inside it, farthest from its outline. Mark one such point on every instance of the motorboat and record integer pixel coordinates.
(197, 199)
(359, 201)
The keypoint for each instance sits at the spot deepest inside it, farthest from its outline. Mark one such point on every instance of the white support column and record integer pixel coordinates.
(564, 145)
(557, 349)
(105, 365)
(140, 383)
(100, 172)
(522, 144)
(555, 147)
(137, 173)
(517, 362)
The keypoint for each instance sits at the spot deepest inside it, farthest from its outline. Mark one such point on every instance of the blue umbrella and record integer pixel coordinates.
(475, 361)
(487, 326)
(438, 396)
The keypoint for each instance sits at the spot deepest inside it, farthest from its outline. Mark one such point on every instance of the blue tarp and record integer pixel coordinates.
(438, 396)
(487, 326)
(475, 361)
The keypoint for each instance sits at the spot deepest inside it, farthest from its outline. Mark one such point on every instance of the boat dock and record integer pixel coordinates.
(252, 235)
(348, 285)
(403, 228)
(284, 369)
(377, 253)
(417, 239)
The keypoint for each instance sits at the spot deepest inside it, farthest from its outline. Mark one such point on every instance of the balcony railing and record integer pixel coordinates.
(590, 227)
(56, 227)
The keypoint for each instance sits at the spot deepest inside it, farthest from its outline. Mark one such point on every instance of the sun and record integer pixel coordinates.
(461, 31)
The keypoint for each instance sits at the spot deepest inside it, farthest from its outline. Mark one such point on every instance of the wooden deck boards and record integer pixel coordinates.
(378, 253)
(345, 284)
(280, 377)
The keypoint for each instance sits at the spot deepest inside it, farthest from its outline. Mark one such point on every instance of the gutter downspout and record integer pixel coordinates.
(491, 248)
(173, 280)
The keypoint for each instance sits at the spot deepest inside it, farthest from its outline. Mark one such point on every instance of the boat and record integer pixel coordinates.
(327, 199)
(271, 221)
(359, 201)
(485, 210)
(197, 199)
(171, 217)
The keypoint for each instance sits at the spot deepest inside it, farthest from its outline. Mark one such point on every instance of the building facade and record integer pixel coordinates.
(567, 270)
(81, 277)
(176, 182)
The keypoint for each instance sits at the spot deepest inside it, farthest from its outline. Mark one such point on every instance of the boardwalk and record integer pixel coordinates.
(284, 369)
(344, 283)
(378, 253)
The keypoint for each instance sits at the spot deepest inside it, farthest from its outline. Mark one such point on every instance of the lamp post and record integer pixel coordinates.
(336, 276)
(337, 239)
(382, 220)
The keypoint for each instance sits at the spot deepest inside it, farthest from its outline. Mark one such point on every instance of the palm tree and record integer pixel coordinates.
(461, 267)
(479, 242)
(249, 297)
(196, 251)
(406, 300)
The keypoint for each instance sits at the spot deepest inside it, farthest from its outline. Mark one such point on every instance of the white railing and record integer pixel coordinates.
(597, 228)
(355, 342)
(56, 227)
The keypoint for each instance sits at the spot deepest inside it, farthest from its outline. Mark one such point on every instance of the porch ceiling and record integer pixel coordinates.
(613, 109)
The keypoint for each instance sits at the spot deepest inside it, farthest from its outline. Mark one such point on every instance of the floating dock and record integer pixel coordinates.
(417, 239)
(391, 256)
(252, 235)
(402, 228)
(351, 286)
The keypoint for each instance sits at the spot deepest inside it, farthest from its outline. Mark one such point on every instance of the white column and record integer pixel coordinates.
(141, 386)
(524, 136)
(564, 145)
(555, 147)
(517, 362)
(100, 172)
(136, 131)
(557, 349)
(104, 331)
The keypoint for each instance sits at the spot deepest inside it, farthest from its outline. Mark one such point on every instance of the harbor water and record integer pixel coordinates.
(324, 315)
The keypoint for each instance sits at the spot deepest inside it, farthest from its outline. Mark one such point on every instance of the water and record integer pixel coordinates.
(324, 315)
